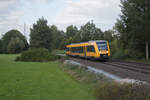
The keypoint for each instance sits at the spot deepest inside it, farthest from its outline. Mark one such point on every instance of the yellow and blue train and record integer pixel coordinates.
(98, 49)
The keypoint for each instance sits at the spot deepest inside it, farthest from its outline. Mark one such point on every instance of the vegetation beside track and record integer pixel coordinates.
(116, 91)
(137, 60)
(37, 55)
(37, 81)
(106, 89)
(83, 76)
(59, 52)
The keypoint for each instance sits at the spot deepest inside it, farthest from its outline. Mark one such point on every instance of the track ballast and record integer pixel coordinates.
(123, 69)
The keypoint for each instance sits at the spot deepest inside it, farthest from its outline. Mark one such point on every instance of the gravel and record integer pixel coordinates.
(122, 73)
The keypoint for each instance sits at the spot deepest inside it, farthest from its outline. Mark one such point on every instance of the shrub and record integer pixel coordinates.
(118, 54)
(116, 51)
(37, 55)
(116, 91)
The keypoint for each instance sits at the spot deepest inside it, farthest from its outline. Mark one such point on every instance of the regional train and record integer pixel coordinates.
(97, 49)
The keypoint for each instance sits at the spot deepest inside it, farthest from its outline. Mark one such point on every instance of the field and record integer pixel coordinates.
(38, 81)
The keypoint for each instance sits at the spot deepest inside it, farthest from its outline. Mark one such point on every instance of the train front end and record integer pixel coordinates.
(103, 48)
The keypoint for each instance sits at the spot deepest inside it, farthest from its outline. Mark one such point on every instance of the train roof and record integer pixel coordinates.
(89, 42)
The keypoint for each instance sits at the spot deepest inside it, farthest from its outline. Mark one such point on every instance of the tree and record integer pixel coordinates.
(1, 45)
(9, 38)
(77, 38)
(133, 25)
(41, 35)
(108, 35)
(71, 34)
(90, 32)
(57, 37)
(71, 31)
(16, 45)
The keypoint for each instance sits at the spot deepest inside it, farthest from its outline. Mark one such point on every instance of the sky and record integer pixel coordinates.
(62, 13)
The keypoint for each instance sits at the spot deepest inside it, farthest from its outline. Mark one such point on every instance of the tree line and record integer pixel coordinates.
(50, 37)
(133, 28)
(13, 42)
(129, 38)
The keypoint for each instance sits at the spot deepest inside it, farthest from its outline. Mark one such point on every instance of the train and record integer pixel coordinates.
(97, 49)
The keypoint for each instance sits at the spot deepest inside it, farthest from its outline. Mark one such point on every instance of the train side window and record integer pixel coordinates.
(67, 49)
(90, 49)
(81, 49)
(72, 49)
(77, 49)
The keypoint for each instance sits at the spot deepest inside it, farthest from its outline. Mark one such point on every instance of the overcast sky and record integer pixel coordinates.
(62, 13)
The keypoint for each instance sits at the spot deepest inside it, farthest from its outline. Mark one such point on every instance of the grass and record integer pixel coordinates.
(116, 91)
(59, 52)
(37, 81)
(106, 89)
(83, 76)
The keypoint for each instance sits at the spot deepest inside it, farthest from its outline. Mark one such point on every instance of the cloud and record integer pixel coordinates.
(44, 1)
(13, 13)
(103, 12)
(9, 15)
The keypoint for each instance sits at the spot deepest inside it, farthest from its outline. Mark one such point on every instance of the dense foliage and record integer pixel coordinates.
(87, 32)
(1, 47)
(72, 35)
(133, 27)
(90, 32)
(117, 91)
(41, 35)
(36, 55)
(57, 38)
(13, 42)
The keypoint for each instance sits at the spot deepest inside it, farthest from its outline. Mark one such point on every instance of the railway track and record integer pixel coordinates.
(133, 66)
(123, 69)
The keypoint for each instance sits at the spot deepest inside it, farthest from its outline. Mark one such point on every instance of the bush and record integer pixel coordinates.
(116, 91)
(118, 54)
(116, 51)
(133, 54)
(37, 55)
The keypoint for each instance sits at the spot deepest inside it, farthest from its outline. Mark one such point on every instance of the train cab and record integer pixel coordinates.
(103, 48)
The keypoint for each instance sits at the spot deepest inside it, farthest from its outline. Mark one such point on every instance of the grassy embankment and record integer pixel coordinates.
(38, 81)
(106, 89)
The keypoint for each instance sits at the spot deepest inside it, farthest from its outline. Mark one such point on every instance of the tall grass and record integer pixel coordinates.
(106, 89)
(116, 91)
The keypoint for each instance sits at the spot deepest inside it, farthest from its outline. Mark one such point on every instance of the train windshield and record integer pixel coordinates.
(102, 45)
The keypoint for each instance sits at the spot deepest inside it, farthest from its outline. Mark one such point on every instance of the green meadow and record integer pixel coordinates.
(38, 81)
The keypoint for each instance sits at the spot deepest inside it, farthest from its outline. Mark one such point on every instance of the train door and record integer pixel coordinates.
(90, 51)
(84, 48)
